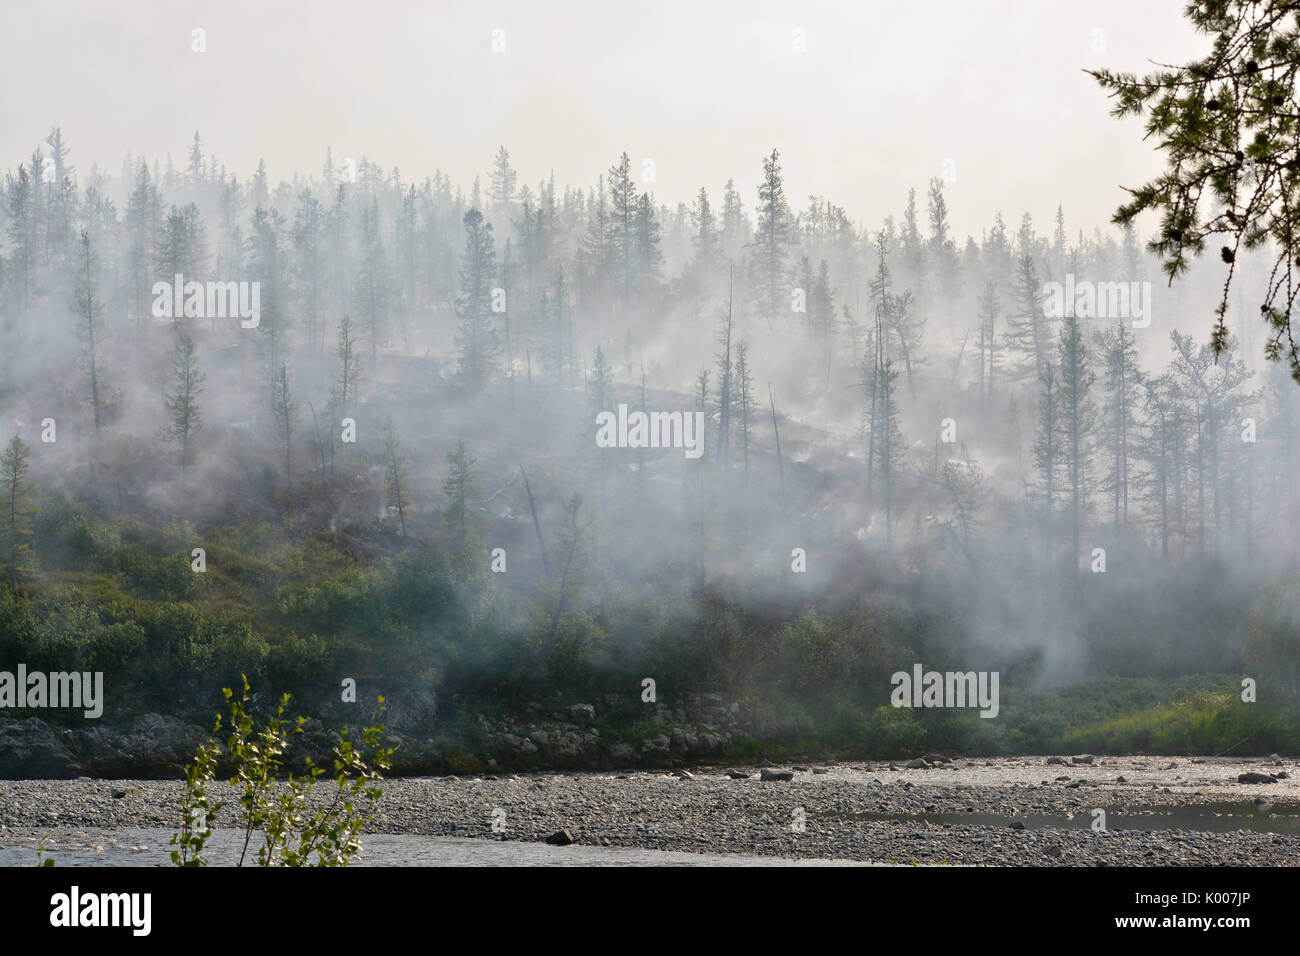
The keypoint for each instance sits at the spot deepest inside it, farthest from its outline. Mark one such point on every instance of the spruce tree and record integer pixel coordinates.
(18, 509)
(476, 338)
(184, 417)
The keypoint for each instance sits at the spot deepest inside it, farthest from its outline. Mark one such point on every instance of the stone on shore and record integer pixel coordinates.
(1253, 777)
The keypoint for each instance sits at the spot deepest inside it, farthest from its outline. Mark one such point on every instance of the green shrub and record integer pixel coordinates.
(291, 833)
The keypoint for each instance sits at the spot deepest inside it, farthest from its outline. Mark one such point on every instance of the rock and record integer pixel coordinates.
(464, 763)
(159, 746)
(819, 771)
(710, 743)
(800, 769)
(656, 745)
(769, 774)
(582, 713)
(1016, 825)
(1253, 777)
(1121, 779)
(935, 758)
(1083, 758)
(120, 792)
(737, 775)
(917, 764)
(623, 754)
(1282, 775)
(1052, 851)
(412, 711)
(560, 838)
(1057, 761)
(683, 775)
(30, 749)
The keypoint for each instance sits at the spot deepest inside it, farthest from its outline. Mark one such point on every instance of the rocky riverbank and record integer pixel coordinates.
(1026, 811)
(549, 736)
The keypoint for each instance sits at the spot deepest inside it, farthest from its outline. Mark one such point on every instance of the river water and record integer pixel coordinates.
(94, 846)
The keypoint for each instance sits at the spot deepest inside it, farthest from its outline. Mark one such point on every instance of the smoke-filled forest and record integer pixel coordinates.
(439, 438)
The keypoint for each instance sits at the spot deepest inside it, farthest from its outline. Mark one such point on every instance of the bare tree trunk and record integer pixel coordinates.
(777, 432)
(537, 526)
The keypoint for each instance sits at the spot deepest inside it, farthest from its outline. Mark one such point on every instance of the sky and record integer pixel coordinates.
(990, 94)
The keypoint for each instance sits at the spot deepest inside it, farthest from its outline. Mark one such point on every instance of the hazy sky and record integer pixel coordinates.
(883, 95)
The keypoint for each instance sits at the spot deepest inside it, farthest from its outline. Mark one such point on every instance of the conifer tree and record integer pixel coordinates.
(89, 310)
(184, 417)
(18, 508)
(771, 241)
(476, 338)
(395, 472)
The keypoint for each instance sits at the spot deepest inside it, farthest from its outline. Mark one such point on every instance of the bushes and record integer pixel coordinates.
(1273, 646)
(1196, 724)
(302, 614)
(303, 665)
(148, 576)
(893, 731)
(67, 538)
(345, 602)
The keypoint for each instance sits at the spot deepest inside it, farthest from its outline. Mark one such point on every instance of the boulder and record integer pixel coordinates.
(1253, 777)
(560, 837)
(582, 713)
(656, 745)
(31, 749)
(160, 746)
(623, 754)
(768, 773)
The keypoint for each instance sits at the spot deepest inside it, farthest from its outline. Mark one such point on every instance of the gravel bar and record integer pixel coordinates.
(824, 811)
